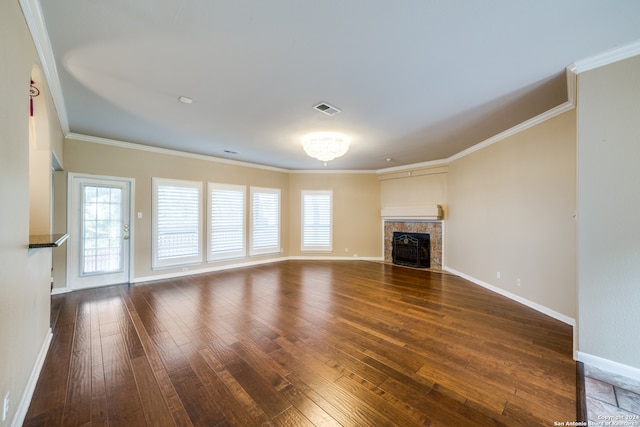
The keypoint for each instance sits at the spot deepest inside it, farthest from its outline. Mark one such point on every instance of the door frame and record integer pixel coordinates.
(72, 228)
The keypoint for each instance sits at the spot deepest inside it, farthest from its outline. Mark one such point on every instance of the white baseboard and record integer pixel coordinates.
(205, 270)
(25, 401)
(542, 309)
(58, 291)
(609, 366)
(245, 264)
(334, 258)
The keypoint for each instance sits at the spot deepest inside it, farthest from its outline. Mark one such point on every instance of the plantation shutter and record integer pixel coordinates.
(176, 222)
(226, 221)
(265, 220)
(316, 221)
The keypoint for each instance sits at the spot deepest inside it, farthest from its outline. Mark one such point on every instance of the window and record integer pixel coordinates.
(177, 207)
(102, 224)
(265, 221)
(317, 221)
(226, 222)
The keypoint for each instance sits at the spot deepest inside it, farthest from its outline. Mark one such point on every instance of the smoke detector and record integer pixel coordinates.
(327, 109)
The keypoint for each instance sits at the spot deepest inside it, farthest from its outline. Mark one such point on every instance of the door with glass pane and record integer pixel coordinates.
(100, 231)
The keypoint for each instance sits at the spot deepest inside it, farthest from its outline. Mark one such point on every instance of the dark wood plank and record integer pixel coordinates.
(235, 412)
(292, 418)
(155, 408)
(301, 343)
(308, 407)
(261, 391)
(51, 389)
(197, 401)
(78, 401)
(99, 407)
(581, 394)
(177, 409)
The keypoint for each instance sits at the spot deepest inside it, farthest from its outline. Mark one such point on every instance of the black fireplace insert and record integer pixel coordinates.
(411, 249)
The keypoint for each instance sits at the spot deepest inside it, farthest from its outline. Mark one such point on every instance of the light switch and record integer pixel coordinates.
(139, 215)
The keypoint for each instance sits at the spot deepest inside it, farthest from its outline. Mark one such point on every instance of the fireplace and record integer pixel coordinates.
(411, 249)
(433, 228)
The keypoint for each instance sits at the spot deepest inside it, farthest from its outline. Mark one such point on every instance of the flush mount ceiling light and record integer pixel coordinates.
(185, 100)
(325, 146)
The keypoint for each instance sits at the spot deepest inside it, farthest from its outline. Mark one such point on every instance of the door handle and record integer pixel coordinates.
(126, 237)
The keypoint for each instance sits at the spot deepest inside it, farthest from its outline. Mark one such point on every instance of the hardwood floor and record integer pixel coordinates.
(301, 343)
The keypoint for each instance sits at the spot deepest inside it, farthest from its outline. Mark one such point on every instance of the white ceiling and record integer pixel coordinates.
(417, 80)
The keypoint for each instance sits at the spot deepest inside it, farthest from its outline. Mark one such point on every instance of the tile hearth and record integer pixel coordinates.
(607, 402)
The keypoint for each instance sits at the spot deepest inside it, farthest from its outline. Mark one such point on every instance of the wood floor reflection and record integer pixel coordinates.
(302, 343)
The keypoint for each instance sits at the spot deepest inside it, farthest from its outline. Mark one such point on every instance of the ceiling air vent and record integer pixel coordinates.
(328, 109)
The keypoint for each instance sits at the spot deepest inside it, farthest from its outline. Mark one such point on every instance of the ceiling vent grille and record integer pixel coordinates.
(327, 109)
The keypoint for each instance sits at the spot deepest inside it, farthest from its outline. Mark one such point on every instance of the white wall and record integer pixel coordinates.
(608, 124)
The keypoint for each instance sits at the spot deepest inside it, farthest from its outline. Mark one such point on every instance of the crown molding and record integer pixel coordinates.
(35, 21)
(540, 118)
(572, 84)
(608, 57)
(429, 164)
(570, 104)
(547, 115)
(172, 152)
(332, 171)
(167, 151)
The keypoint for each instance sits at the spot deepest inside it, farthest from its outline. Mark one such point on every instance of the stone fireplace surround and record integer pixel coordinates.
(433, 228)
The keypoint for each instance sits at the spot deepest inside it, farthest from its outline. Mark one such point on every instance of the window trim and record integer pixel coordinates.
(234, 254)
(157, 263)
(304, 248)
(277, 247)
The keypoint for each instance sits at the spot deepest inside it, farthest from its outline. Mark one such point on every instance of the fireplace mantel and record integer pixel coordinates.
(425, 212)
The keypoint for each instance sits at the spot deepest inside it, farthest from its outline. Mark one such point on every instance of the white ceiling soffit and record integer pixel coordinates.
(417, 82)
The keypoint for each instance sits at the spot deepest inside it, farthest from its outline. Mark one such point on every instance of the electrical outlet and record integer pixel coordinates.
(346, 249)
(5, 407)
(498, 275)
(518, 281)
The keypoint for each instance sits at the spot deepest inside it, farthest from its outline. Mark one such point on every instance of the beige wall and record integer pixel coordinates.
(59, 273)
(356, 213)
(24, 273)
(510, 210)
(106, 160)
(41, 146)
(355, 196)
(414, 187)
(609, 213)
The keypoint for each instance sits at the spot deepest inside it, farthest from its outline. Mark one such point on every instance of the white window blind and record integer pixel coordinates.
(226, 222)
(265, 220)
(317, 221)
(177, 209)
